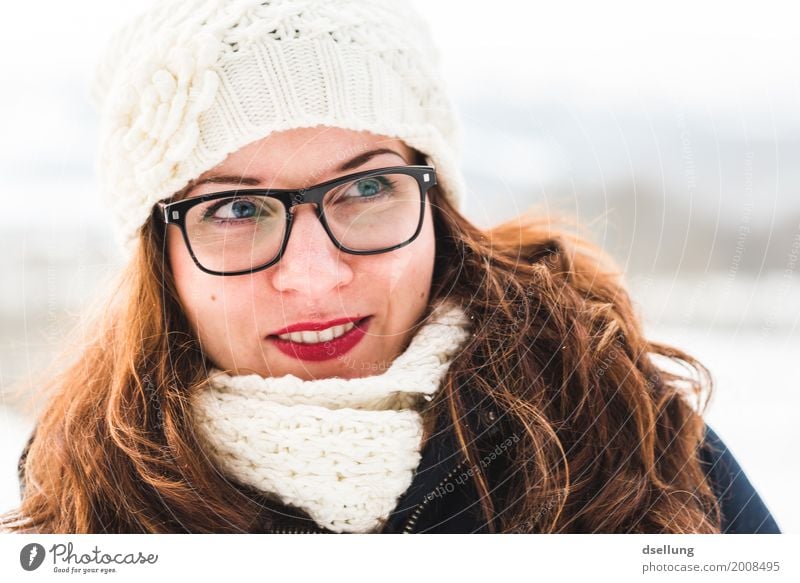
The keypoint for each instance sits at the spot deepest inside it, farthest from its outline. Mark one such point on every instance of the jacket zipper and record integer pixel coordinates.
(419, 509)
(293, 531)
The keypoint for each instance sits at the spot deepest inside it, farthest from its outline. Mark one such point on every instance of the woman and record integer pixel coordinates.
(369, 362)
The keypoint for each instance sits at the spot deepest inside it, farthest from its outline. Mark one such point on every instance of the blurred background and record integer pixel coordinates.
(671, 131)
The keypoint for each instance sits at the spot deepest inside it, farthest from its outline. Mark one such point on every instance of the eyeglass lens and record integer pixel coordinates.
(242, 232)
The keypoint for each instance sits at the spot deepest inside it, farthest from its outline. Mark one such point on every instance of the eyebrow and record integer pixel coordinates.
(351, 164)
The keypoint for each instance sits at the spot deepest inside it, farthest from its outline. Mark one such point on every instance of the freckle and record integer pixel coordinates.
(213, 298)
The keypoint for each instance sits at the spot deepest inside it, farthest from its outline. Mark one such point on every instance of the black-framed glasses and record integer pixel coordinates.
(246, 230)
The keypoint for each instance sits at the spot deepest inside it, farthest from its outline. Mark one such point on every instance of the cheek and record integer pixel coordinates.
(407, 273)
(424, 253)
(200, 293)
(220, 310)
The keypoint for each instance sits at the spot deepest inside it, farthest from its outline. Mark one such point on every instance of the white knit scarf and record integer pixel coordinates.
(343, 450)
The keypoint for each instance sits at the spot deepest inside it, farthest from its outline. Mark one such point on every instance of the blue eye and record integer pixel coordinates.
(240, 210)
(232, 210)
(370, 188)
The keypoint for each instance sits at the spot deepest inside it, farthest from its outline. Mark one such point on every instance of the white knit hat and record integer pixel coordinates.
(191, 81)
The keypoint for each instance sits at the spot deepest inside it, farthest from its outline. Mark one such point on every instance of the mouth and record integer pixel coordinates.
(324, 344)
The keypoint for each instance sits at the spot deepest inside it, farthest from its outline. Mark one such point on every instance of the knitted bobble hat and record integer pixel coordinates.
(190, 81)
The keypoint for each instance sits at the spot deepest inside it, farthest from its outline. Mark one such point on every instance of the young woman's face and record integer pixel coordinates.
(236, 317)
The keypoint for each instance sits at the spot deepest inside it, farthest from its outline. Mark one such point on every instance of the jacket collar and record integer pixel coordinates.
(441, 457)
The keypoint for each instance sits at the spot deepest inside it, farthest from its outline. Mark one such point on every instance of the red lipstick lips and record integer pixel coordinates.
(300, 326)
(327, 349)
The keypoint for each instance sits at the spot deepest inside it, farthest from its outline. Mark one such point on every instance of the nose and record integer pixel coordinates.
(311, 264)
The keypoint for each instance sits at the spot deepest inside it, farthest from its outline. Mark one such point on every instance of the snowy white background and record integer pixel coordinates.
(673, 131)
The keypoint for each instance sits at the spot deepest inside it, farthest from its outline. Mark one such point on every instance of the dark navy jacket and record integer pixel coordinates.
(440, 500)
(443, 499)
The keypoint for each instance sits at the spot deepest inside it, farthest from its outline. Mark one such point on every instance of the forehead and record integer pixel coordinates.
(318, 150)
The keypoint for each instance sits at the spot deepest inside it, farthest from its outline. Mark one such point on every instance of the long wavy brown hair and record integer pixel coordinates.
(608, 437)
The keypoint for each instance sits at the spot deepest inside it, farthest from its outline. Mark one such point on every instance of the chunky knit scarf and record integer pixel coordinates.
(343, 450)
